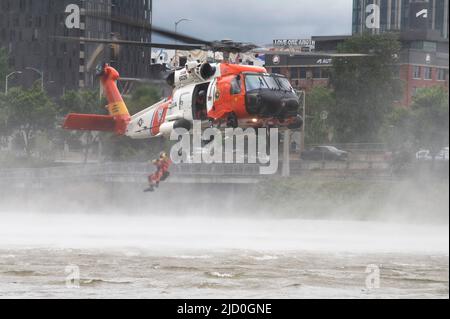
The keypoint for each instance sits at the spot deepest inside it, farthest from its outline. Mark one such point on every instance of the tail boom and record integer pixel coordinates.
(89, 122)
(118, 119)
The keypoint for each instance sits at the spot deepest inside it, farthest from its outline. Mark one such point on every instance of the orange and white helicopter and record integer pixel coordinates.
(218, 94)
(222, 95)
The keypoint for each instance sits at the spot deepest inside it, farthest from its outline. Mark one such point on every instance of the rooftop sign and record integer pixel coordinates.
(294, 43)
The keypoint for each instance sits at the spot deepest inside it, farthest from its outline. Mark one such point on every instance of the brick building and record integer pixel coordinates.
(422, 26)
(304, 70)
(423, 61)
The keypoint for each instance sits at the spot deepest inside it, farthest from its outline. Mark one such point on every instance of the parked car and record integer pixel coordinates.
(424, 155)
(324, 153)
(442, 155)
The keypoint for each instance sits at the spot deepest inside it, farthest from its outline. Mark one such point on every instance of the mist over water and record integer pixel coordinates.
(190, 234)
(313, 239)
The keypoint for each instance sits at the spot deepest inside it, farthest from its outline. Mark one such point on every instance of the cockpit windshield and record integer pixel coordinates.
(271, 82)
(284, 84)
(255, 82)
(260, 81)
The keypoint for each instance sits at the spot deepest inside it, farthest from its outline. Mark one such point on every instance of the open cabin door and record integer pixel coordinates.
(199, 102)
(185, 104)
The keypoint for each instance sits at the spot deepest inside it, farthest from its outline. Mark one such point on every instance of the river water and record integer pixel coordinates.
(123, 256)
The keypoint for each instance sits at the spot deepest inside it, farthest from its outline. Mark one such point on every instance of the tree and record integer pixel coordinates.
(4, 68)
(319, 102)
(397, 130)
(142, 98)
(28, 112)
(430, 114)
(424, 125)
(84, 102)
(365, 87)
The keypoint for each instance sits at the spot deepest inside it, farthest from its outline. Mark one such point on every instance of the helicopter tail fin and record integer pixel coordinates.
(118, 118)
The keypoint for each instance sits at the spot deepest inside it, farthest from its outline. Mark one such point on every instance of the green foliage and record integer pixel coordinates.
(397, 128)
(365, 87)
(353, 198)
(424, 125)
(27, 112)
(142, 98)
(320, 101)
(84, 102)
(121, 148)
(430, 113)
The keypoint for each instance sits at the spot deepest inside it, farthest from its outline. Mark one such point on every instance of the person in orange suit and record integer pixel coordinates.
(162, 171)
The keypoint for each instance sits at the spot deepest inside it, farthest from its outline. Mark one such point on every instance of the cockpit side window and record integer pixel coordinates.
(236, 85)
(271, 83)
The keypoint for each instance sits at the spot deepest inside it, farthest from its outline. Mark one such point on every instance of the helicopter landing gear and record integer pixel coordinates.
(232, 120)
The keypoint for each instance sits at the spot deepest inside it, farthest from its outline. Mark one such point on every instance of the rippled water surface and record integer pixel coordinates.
(168, 257)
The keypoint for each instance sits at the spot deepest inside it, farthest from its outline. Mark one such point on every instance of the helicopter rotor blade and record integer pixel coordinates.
(148, 27)
(179, 37)
(343, 55)
(186, 47)
(225, 46)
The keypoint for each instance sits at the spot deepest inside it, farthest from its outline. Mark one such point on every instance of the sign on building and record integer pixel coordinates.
(298, 43)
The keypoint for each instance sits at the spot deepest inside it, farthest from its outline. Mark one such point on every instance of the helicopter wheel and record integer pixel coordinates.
(232, 120)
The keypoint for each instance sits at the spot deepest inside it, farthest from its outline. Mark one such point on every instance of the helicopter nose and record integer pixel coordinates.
(272, 104)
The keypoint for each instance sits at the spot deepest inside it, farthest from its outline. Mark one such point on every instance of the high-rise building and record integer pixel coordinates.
(422, 26)
(401, 15)
(27, 29)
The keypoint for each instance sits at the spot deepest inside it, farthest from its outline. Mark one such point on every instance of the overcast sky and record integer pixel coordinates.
(258, 21)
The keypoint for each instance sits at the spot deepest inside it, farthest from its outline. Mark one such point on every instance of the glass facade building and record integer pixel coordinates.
(27, 27)
(400, 15)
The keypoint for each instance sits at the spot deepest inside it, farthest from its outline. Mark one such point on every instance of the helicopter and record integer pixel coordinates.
(221, 95)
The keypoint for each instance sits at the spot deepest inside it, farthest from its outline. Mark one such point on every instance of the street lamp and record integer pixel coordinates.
(302, 95)
(41, 73)
(176, 31)
(7, 78)
(178, 22)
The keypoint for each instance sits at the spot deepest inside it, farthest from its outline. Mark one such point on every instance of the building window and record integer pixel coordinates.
(324, 73)
(276, 70)
(441, 74)
(416, 72)
(303, 73)
(293, 73)
(427, 73)
(316, 73)
(236, 85)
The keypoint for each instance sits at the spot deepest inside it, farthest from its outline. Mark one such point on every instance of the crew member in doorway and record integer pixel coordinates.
(200, 105)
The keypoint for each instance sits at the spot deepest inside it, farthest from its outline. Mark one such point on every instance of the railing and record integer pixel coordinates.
(128, 169)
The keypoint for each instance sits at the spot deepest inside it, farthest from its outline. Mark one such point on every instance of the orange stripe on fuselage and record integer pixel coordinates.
(158, 118)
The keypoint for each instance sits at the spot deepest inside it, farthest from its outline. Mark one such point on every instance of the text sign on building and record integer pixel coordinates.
(301, 43)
